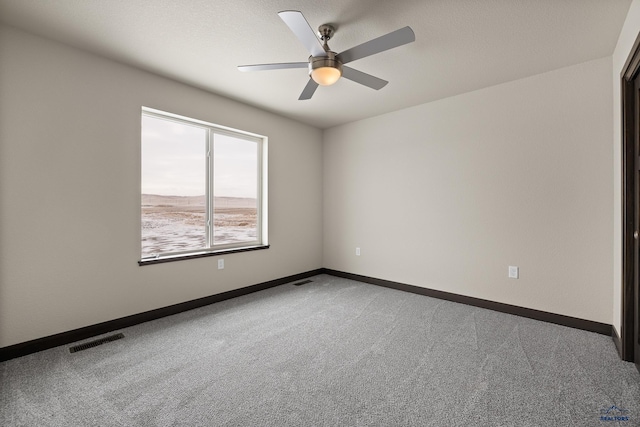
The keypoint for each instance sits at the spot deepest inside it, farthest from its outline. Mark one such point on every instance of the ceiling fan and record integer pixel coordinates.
(325, 66)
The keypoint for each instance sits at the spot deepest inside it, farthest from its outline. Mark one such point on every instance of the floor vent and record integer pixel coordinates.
(304, 282)
(95, 343)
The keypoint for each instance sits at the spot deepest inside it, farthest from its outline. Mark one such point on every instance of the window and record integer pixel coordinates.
(203, 188)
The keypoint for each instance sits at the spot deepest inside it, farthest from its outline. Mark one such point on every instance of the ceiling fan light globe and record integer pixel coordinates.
(326, 76)
(325, 70)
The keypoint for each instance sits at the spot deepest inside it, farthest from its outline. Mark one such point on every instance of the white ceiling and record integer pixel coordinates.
(461, 45)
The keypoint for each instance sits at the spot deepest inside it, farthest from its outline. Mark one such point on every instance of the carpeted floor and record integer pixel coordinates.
(333, 352)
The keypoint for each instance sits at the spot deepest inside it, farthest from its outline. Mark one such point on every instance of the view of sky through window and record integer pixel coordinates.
(174, 158)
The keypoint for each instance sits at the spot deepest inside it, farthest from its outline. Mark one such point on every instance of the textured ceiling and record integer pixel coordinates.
(461, 45)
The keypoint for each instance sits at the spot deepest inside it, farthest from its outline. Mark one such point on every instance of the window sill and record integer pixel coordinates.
(172, 258)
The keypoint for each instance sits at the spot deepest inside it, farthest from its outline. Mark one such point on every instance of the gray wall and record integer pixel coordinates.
(70, 192)
(447, 195)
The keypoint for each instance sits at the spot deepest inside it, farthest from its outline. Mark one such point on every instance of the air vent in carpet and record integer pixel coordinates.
(304, 282)
(95, 343)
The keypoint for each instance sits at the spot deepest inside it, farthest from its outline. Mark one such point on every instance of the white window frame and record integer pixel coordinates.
(212, 249)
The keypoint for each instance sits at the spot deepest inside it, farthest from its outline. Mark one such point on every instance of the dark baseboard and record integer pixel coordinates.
(558, 319)
(617, 341)
(64, 338)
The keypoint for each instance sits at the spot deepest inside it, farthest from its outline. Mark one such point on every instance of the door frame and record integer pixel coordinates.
(630, 165)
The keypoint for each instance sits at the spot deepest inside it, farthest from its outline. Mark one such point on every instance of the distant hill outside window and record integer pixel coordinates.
(201, 187)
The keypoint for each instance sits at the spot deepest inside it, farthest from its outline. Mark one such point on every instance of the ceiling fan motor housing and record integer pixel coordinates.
(325, 65)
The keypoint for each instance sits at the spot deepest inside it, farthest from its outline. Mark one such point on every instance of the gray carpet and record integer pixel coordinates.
(333, 352)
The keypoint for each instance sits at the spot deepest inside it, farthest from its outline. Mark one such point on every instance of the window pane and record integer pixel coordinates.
(173, 186)
(235, 191)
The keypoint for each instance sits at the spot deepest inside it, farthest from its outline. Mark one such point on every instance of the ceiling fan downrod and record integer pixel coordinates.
(326, 32)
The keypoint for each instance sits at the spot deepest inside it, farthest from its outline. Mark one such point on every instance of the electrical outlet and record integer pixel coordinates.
(514, 272)
(221, 264)
(358, 251)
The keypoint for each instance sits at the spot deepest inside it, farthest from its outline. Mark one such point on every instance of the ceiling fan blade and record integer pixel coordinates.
(309, 90)
(265, 67)
(297, 23)
(388, 41)
(363, 78)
